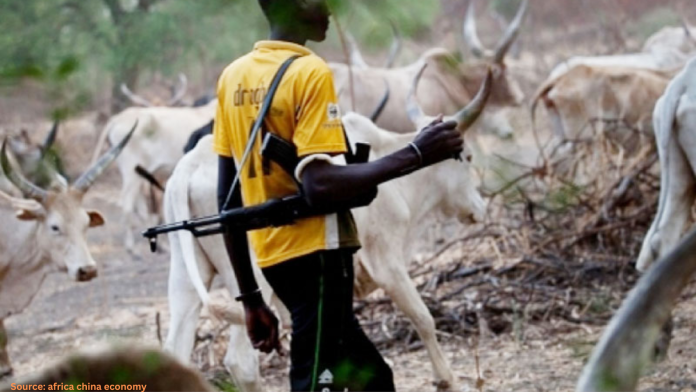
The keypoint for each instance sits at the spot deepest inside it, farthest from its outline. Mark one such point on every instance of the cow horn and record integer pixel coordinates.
(471, 112)
(382, 103)
(136, 99)
(28, 189)
(471, 36)
(356, 58)
(86, 180)
(180, 91)
(415, 112)
(511, 33)
(395, 46)
(50, 138)
(474, 43)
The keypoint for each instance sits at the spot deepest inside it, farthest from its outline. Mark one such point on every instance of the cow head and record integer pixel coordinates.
(178, 92)
(506, 91)
(470, 206)
(40, 162)
(459, 80)
(61, 220)
(464, 118)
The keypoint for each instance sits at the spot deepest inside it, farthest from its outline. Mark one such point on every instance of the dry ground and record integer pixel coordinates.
(123, 303)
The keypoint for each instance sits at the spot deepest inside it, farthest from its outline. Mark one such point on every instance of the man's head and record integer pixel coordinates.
(305, 19)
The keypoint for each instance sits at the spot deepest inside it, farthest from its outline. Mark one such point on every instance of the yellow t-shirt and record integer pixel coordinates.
(304, 112)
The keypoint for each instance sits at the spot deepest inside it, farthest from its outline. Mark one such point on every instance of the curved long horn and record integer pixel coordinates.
(180, 91)
(356, 58)
(50, 138)
(86, 180)
(471, 36)
(382, 103)
(413, 109)
(136, 99)
(473, 110)
(395, 47)
(28, 189)
(511, 33)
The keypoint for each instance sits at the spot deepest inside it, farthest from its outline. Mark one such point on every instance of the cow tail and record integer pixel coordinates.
(177, 208)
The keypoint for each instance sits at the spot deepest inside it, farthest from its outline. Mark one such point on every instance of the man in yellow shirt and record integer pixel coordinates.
(309, 264)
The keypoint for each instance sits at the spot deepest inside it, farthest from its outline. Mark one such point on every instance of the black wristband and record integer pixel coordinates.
(247, 296)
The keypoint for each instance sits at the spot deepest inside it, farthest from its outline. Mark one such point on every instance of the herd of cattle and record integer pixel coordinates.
(49, 221)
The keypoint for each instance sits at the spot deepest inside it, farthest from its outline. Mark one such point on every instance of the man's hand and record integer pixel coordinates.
(439, 141)
(262, 327)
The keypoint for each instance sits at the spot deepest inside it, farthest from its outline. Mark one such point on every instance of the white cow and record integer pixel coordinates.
(674, 120)
(156, 147)
(42, 233)
(448, 84)
(385, 228)
(669, 48)
(606, 93)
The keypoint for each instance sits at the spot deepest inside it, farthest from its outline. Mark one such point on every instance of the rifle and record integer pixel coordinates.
(272, 213)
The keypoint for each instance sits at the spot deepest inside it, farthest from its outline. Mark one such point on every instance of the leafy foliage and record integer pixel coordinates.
(76, 47)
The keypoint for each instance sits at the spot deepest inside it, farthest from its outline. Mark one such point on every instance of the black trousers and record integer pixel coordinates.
(329, 350)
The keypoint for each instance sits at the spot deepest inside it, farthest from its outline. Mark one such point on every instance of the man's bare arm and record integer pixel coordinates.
(262, 325)
(235, 242)
(325, 183)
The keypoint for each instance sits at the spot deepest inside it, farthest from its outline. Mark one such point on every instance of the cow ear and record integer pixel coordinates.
(29, 215)
(28, 209)
(95, 219)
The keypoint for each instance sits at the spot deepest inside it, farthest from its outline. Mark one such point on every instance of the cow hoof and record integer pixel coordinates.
(442, 386)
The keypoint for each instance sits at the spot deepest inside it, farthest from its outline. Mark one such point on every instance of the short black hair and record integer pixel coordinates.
(280, 12)
(272, 7)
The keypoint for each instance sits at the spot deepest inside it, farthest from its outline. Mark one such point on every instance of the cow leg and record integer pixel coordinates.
(391, 275)
(5, 368)
(676, 198)
(127, 203)
(242, 361)
(133, 204)
(184, 303)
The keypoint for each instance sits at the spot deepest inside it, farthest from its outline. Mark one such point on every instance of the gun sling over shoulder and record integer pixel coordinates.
(274, 212)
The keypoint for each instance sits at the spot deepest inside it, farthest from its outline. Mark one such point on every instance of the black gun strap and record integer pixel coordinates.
(268, 100)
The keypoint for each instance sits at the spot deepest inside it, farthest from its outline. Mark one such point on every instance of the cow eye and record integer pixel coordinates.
(55, 229)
